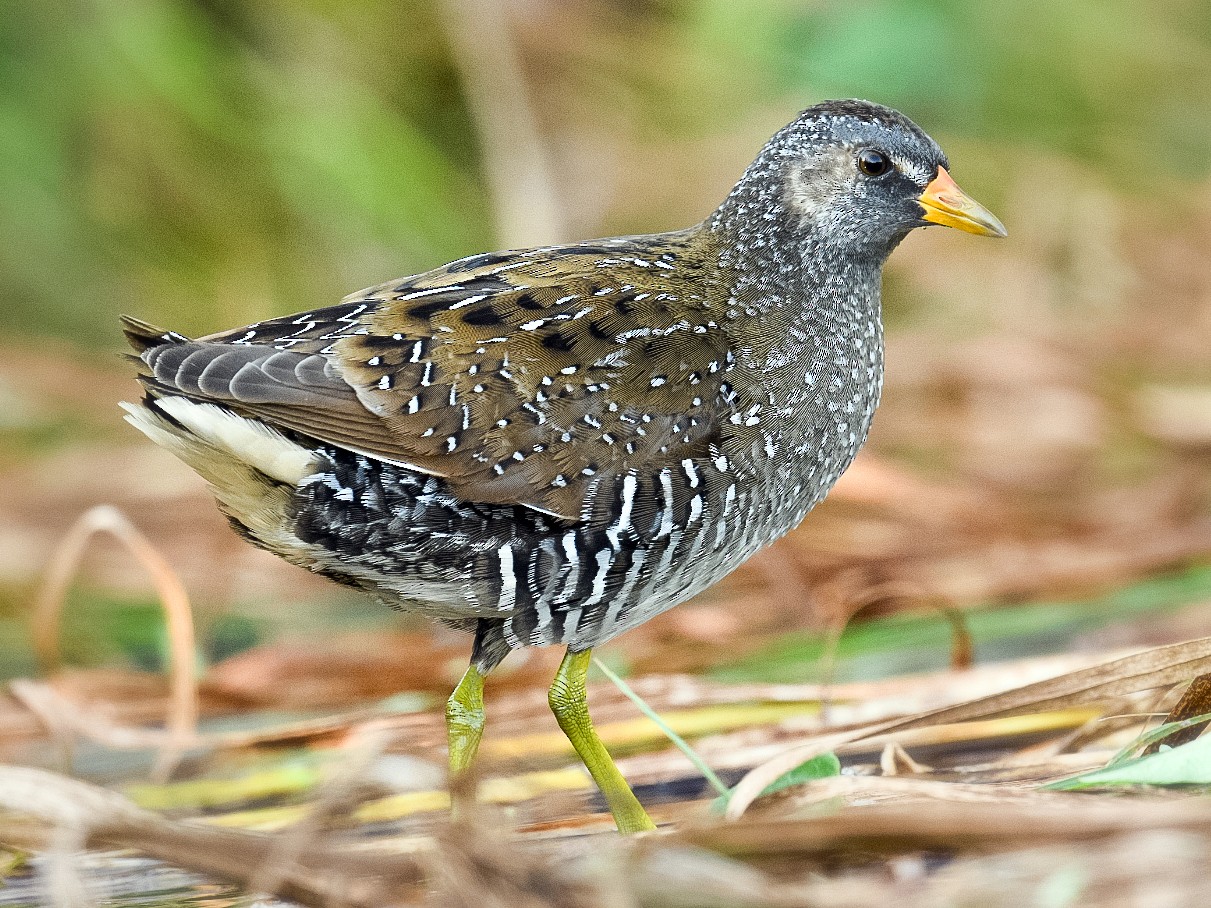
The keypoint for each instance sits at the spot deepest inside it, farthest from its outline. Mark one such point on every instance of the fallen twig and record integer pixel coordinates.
(182, 720)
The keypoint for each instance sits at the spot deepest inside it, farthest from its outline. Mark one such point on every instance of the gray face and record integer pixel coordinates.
(851, 173)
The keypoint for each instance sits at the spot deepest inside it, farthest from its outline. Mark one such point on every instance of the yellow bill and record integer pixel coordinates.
(946, 204)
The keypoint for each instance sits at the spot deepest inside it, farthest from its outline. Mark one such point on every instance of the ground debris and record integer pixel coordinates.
(964, 799)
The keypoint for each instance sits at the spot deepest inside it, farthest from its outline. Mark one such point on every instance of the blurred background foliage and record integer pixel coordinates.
(204, 163)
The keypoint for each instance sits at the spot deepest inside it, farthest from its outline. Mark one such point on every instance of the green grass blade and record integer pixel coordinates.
(1189, 764)
(680, 742)
(1147, 739)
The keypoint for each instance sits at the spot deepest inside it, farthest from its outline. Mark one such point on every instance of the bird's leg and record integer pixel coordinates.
(465, 720)
(464, 728)
(465, 708)
(568, 701)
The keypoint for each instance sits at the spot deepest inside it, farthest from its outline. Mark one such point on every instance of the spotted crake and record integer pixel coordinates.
(550, 446)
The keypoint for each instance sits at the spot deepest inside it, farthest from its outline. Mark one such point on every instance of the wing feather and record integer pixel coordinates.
(524, 377)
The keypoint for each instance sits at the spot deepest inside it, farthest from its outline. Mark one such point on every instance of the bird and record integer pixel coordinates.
(550, 446)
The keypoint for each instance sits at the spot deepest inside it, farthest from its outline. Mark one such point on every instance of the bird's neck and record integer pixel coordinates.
(805, 322)
(793, 291)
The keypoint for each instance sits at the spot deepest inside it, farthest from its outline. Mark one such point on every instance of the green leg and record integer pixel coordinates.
(465, 720)
(568, 701)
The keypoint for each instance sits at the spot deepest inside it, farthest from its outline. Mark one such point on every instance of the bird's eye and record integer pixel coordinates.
(873, 163)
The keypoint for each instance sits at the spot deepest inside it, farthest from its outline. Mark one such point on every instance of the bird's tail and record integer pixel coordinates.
(143, 335)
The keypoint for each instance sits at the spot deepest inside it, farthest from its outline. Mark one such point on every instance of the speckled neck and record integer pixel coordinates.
(794, 290)
(805, 316)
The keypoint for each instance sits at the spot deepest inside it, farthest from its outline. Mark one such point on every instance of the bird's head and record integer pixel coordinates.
(856, 177)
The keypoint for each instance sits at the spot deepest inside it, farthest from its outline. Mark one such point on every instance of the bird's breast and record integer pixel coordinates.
(822, 379)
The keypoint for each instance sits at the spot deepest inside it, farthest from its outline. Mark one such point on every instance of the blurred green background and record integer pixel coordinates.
(204, 163)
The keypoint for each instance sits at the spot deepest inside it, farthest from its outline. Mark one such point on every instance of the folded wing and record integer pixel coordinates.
(525, 378)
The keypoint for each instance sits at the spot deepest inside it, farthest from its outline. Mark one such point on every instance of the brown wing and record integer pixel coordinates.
(522, 377)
